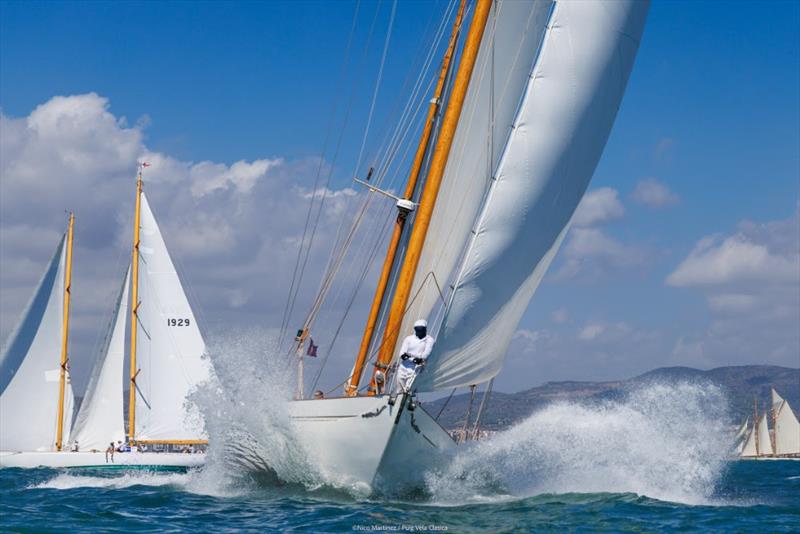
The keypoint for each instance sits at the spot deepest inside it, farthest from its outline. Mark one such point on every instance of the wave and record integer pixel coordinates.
(245, 406)
(67, 481)
(668, 441)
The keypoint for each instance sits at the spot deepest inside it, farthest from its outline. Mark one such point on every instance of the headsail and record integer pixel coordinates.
(764, 441)
(749, 448)
(170, 349)
(29, 368)
(101, 418)
(575, 89)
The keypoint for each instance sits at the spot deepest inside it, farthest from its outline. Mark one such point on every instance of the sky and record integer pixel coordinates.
(685, 250)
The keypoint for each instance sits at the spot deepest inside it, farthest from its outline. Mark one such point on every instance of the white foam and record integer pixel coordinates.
(68, 481)
(246, 412)
(665, 441)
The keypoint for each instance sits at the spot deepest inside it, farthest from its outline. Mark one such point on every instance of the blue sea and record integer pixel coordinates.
(656, 459)
(762, 496)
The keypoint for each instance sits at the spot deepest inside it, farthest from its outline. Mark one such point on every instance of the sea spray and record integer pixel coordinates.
(665, 441)
(246, 413)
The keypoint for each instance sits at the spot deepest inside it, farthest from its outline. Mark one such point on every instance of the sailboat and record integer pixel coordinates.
(783, 442)
(166, 365)
(512, 137)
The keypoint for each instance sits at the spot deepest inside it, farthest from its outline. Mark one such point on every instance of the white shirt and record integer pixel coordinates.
(416, 348)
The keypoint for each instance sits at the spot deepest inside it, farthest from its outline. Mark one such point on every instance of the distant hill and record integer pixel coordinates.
(740, 384)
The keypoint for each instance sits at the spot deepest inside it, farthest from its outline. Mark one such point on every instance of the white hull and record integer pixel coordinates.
(122, 460)
(361, 443)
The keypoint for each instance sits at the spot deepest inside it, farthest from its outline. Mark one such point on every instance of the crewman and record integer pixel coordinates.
(413, 354)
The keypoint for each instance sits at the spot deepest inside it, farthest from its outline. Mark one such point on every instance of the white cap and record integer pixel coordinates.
(421, 322)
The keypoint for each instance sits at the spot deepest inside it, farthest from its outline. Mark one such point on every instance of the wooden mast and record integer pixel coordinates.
(134, 309)
(756, 426)
(62, 382)
(432, 184)
(416, 167)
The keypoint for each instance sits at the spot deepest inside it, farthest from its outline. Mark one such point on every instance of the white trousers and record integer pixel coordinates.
(405, 378)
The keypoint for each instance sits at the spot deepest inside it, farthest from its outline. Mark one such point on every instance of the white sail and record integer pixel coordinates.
(511, 41)
(30, 368)
(742, 430)
(101, 417)
(787, 431)
(776, 400)
(170, 348)
(575, 90)
(749, 449)
(764, 441)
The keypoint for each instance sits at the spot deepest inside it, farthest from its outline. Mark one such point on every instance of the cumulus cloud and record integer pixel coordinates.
(751, 282)
(598, 206)
(232, 229)
(653, 193)
(762, 254)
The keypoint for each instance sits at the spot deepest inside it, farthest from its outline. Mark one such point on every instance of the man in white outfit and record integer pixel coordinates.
(413, 354)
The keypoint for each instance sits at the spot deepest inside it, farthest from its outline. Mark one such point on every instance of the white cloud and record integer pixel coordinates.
(751, 282)
(232, 230)
(653, 193)
(745, 257)
(598, 206)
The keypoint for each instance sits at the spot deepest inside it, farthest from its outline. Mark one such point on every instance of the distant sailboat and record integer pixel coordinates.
(783, 442)
(166, 365)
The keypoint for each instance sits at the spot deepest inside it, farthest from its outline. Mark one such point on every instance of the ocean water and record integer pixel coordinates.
(759, 496)
(655, 460)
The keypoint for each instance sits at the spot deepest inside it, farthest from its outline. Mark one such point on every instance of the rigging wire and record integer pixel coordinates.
(328, 180)
(340, 83)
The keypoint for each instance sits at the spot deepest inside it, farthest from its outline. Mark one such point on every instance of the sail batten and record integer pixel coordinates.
(572, 95)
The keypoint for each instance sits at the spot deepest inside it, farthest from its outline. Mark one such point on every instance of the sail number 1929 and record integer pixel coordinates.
(178, 322)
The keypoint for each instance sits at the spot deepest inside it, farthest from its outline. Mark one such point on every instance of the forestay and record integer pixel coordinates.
(169, 349)
(575, 89)
(101, 417)
(513, 33)
(30, 368)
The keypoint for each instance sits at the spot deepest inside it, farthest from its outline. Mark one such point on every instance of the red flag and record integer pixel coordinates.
(312, 349)
(145, 164)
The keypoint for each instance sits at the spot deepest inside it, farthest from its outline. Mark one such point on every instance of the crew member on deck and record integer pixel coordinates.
(413, 353)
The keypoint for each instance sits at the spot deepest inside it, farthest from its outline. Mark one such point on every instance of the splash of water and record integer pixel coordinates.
(245, 406)
(665, 441)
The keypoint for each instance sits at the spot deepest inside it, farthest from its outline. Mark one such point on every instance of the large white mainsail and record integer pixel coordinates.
(508, 49)
(169, 353)
(575, 89)
(101, 417)
(787, 429)
(29, 368)
(764, 441)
